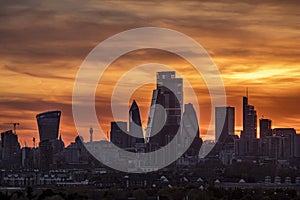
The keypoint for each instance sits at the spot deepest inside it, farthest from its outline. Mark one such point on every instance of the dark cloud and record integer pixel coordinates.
(32, 73)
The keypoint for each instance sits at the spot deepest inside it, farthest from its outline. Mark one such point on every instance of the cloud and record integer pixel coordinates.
(255, 44)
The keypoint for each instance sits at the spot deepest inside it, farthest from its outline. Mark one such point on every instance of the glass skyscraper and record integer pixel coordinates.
(48, 124)
(165, 112)
(224, 128)
(249, 120)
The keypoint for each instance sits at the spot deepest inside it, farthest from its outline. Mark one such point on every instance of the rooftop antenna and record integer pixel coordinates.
(247, 92)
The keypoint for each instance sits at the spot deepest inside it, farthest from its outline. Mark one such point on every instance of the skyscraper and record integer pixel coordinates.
(50, 145)
(167, 82)
(135, 125)
(118, 134)
(287, 141)
(48, 124)
(249, 120)
(248, 145)
(265, 127)
(165, 112)
(224, 128)
(190, 131)
(224, 134)
(11, 152)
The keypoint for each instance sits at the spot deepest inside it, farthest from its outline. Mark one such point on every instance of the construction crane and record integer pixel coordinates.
(15, 124)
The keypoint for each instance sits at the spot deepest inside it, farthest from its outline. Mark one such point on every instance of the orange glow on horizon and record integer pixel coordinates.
(253, 46)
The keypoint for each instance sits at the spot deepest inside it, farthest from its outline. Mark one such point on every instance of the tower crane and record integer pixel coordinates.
(15, 124)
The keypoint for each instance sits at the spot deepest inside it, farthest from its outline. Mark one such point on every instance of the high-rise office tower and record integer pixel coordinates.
(265, 127)
(249, 120)
(224, 134)
(118, 134)
(46, 155)
(50, 144)
(48, 124)
(165, 112)
(135, 125)
(11, 152)
(167, 82)
(224, 122)
(190, 131)
(248, 145)
(190, 122)
(287, 142)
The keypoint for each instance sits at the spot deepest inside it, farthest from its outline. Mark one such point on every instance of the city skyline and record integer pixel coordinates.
(210, 137)
(254, 46)
(275, 144)
(125, 125)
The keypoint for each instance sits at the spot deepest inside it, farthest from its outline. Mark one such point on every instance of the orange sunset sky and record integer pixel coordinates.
(255, 44)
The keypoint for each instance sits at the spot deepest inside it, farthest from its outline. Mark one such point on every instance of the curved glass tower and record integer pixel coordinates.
(48, 124)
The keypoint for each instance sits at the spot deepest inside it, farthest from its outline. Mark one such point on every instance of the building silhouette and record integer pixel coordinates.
(265, 127)
(29, 158)
(48, 124)
(135, 126)
(165, 112)
(282, 144)
(166, 82)
(46, 155)
(248, 144)
(190, 132)
(224, 134)
(249, 120)
(10, 150)
(73, 151)
(51, 146)
(118, 134)
(287, 138)
(224, 122)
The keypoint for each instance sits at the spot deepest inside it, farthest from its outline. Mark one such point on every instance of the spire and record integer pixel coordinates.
(133, 106)
(247, 92)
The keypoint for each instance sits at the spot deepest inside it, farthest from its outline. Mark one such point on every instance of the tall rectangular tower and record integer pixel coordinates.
(10, 149)
(265, 127)
(118, 134)
(224, 122)
(166, 82)
(165, 112)
(249, 120)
